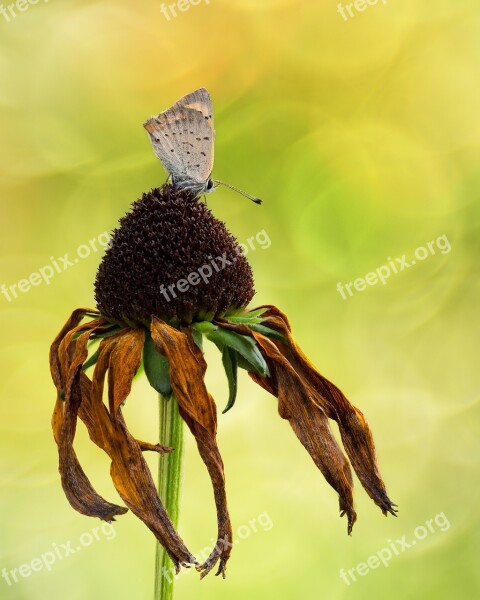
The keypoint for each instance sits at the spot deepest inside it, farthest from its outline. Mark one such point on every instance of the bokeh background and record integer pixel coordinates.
(363, 137)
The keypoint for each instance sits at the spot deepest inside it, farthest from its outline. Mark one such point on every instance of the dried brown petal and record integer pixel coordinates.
(130, 473)
(148, 447)
(197, 408)
(124, 363)
(309, 423)
(66, 374)
(72, 322)
(355, 432)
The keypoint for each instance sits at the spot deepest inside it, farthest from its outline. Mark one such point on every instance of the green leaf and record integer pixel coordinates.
(91, 361)
(104, 334)
(268, 332)
(242, 344)
(204, 327)
(156, 368)
(229, 359)
(250, 314)
(244, 364)
(197, 338)
(246, 320)
(97, 335)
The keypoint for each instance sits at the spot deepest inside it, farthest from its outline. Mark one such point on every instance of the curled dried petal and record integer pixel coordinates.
(72, 322)
(130, 473)
(354, 430)
(120, 355)
(124, 363)
(148, 447)
(197, 408)
(309, 423)
(66, 373)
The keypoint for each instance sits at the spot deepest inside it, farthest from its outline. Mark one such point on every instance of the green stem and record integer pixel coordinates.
(169, 487)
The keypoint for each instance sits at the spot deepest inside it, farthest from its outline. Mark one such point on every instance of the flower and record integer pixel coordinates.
(172, 276)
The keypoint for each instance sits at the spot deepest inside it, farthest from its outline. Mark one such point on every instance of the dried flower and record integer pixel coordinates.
(168, 236)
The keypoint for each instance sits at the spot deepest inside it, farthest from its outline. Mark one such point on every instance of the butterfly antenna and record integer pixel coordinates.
(236, 189)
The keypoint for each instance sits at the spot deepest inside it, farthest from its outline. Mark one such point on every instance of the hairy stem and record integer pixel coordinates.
(169, 488)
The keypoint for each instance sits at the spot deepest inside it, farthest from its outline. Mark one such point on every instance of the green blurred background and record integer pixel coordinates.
(363, 137)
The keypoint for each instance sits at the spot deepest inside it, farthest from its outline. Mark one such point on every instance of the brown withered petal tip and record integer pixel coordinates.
(306, 399)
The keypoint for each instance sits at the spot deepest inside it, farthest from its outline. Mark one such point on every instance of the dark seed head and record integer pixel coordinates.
(171, 258)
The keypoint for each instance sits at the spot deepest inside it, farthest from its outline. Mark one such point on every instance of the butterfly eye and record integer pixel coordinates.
(210, 184)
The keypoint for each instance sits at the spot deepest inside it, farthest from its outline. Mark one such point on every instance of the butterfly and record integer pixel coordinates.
(183, 139)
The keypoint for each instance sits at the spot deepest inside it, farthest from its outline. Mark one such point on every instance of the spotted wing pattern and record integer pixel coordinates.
(183, 139)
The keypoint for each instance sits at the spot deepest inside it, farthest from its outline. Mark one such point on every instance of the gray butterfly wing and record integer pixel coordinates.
(183, 138)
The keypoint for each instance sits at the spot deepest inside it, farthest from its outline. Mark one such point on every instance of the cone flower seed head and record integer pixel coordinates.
(171, 258)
